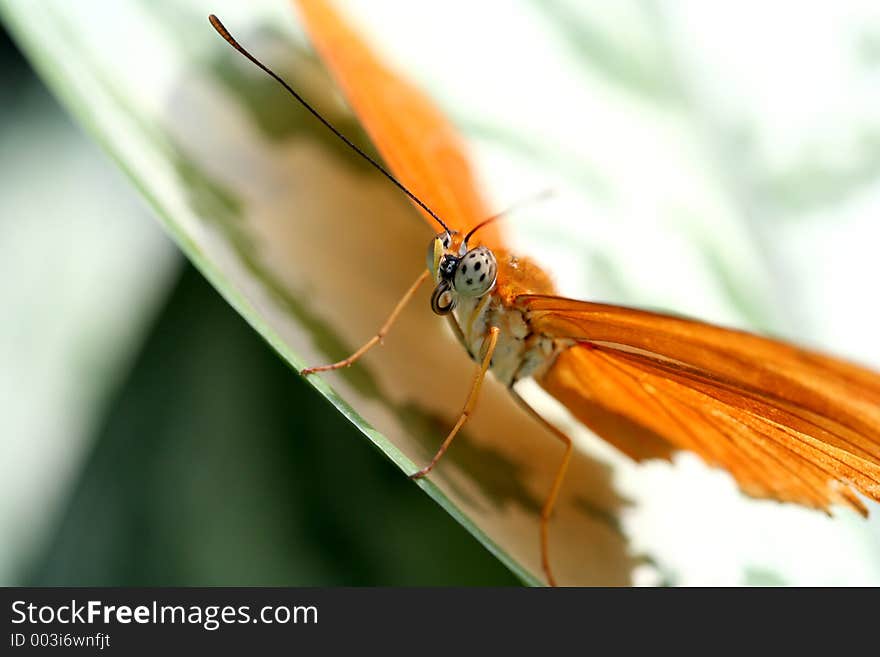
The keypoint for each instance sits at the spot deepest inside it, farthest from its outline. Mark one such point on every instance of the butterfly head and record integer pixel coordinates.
(458, 271)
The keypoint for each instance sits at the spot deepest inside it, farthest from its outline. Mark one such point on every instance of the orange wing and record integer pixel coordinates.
(417, 142)
(788, 424)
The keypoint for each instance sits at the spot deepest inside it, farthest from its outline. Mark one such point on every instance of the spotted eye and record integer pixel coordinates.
(475, 274)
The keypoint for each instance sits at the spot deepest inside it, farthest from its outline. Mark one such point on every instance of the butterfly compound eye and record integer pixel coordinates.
(475, 274)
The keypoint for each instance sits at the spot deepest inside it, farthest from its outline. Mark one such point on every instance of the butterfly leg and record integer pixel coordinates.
(376, 339)
(550, 502)
(469, 405)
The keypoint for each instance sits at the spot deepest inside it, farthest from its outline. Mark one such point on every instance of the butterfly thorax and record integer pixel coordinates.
(518, 275)
(520, 352)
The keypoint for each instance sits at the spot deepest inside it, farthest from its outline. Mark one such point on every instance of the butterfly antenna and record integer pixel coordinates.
(222, 31)
(540, 196)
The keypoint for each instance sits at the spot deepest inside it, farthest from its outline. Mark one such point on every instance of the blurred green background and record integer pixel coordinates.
(189, 453)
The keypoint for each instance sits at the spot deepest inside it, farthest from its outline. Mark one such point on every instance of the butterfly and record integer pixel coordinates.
(787, 423)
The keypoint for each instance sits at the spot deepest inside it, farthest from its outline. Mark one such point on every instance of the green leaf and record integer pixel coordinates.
(313, 250)
(203, 473)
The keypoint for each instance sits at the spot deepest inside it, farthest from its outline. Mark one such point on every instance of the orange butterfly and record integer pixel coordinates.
(788, 424)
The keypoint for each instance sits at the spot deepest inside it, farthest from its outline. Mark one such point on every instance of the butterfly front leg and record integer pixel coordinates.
(470, 404)
(376, 339)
